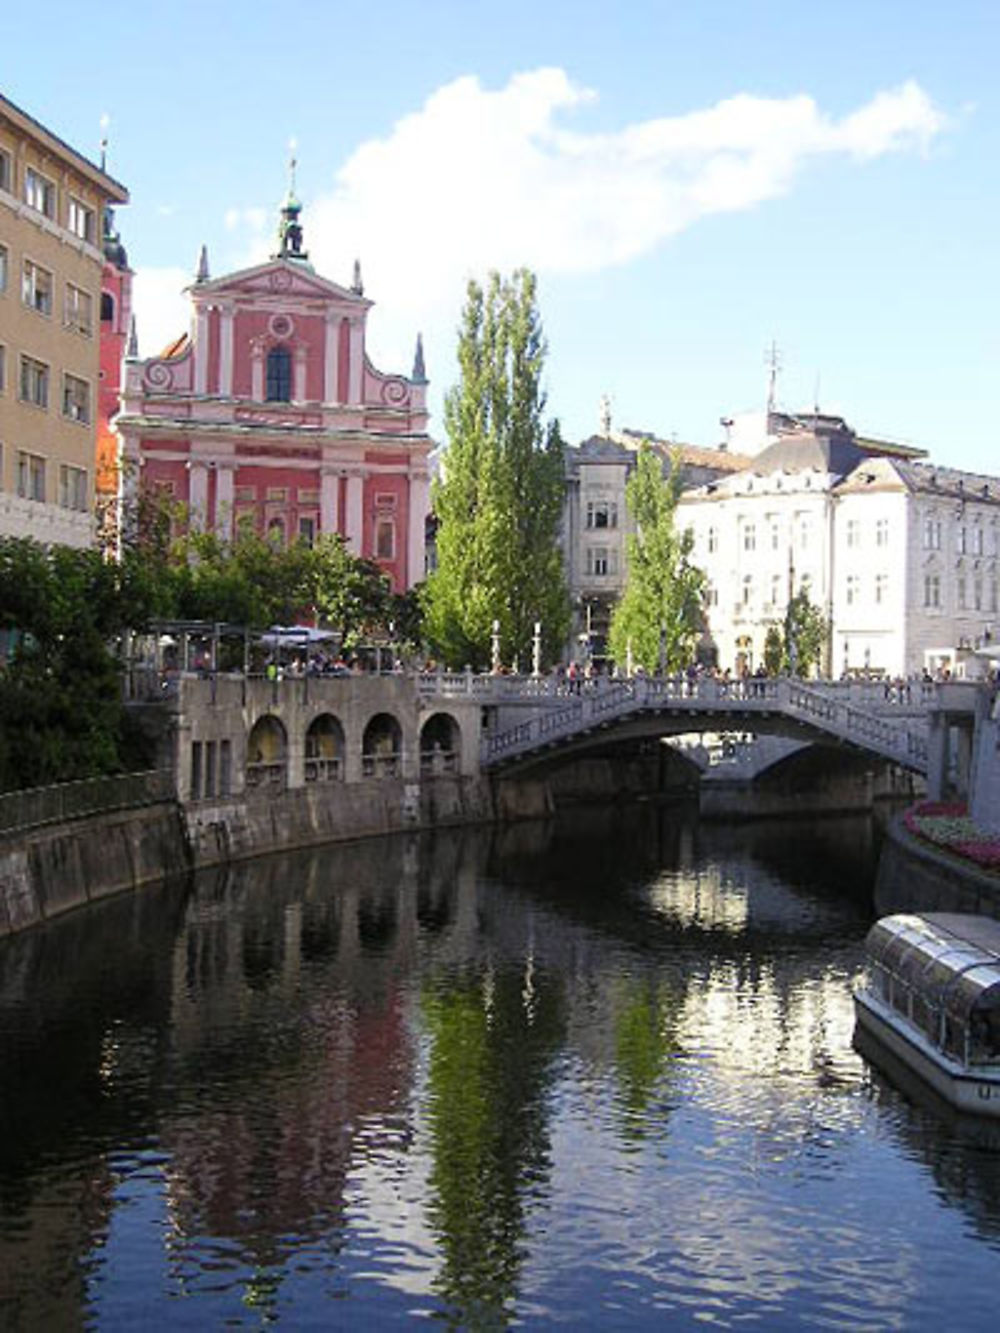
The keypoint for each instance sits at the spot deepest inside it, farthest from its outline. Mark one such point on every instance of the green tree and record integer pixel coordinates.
(774, 650)
(806, 635)
(659, 614)
(499, 503)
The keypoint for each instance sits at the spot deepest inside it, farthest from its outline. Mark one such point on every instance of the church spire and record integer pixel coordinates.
(290, 228)
(202, 273)
(419, 375)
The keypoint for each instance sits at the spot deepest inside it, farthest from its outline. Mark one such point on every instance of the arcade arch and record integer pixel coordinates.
(382, 747)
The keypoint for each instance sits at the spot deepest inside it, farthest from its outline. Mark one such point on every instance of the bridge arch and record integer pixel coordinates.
(382, 747)
(267, 754)
(440, 745)
(324, 753)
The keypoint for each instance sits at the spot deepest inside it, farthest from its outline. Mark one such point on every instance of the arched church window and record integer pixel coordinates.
(279, 375)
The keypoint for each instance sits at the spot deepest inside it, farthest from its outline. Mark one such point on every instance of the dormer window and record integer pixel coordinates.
(279, 375)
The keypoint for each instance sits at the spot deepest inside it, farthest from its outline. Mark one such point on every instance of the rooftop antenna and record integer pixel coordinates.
(105, 122)
(292, 164)
(604, 420)
(772, 359)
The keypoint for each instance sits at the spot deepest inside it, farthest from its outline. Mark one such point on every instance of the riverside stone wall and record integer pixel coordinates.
(56, 869)
(52, 870)
(914, 877)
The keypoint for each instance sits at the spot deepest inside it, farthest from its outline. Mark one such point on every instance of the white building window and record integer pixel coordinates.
(853, 589)
(881, 588)
(30, 476)
(601, 560)
(39, 192)
(747, 590)
(6, 171)
(73, 487)
(977, 540)
(79, 310)
(602, 514)
(853, 532)
(932, 590)
(713, 541)
(977, 593)
(36, 287)
(307, 530)
(81, 220)
(76, 399)
(960, 592)
(775, 536)
(775, 589)
(882, 532)
(932, 533)
(749, 537)
(4, 267)
(962, 541)
(34, 382)
(711, 595)
(3, 368)
(993, 595)
(805, 533)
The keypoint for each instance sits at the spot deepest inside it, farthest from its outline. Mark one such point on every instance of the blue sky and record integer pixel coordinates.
(690, 181)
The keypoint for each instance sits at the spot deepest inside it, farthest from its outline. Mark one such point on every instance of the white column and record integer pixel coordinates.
(226, 352)
(330, 360)
(201, 350)
(257, 374)
(299, 385)
(329, 496)
(355, 512)
(225, 517)
(418, 508)
(198, 493)
(357, 361)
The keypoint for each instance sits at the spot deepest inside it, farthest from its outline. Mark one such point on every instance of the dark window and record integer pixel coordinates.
(107, 307)
(279, 375)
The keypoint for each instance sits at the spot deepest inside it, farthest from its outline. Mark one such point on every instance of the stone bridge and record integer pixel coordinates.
(925, 728)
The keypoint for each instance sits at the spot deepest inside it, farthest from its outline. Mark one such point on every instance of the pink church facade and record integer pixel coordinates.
(270, 413)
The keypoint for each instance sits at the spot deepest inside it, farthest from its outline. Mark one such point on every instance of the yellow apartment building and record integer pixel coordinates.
(52, 202)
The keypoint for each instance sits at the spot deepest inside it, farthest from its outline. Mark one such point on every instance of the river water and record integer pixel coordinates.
(597, 1072)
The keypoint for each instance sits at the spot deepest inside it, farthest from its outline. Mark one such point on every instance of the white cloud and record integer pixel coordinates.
(162, 312)
(479, 179)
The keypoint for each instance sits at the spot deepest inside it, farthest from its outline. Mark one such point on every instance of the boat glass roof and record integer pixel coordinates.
(952, 959)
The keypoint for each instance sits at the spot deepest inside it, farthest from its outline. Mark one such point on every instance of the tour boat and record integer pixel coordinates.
(931, 998)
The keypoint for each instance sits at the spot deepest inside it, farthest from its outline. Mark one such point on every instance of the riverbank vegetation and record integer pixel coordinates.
(63, 613)
(499, 499)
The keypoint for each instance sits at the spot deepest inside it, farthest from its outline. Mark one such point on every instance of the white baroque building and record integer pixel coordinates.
(901, 555)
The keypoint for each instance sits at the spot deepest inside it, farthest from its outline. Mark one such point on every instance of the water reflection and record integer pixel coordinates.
(595, 1069)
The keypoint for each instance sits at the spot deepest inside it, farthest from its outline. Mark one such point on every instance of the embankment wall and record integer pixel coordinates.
(915, 877)
(55, 869)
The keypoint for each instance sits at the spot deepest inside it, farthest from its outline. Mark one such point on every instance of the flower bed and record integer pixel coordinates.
(947, 825)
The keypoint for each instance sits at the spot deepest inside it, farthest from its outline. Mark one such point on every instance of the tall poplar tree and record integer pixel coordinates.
(499, 500)
(658, 618)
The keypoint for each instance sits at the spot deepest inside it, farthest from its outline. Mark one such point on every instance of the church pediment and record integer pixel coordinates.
(279, 277)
